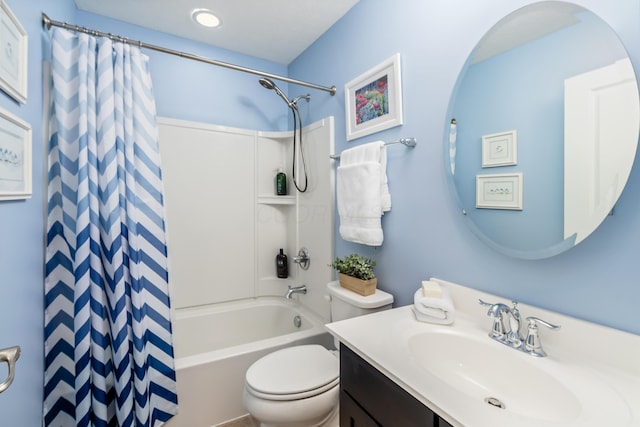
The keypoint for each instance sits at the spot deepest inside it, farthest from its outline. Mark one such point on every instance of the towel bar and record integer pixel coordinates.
(407, 142)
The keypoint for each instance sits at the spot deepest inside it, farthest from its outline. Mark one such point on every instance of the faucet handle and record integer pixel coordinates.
(535, 320)
(303, 258)
(532, 343)
(484, 303)
(498, 329)
(495, 310)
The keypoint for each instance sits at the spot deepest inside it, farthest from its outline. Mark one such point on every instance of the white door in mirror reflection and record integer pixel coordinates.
(598, 157)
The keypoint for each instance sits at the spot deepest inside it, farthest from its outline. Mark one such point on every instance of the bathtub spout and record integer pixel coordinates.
(296, 290)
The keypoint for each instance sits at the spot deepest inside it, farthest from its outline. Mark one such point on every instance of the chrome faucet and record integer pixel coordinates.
(514, 338)
(295, 290)
(511, 335)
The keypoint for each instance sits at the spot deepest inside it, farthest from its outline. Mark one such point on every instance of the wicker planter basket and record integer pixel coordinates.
(359, 286)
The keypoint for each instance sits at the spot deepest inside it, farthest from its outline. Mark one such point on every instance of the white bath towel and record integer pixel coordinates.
(434, 310)
(362, 193)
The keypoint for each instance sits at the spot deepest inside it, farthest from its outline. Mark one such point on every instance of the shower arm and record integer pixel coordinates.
(306, 97)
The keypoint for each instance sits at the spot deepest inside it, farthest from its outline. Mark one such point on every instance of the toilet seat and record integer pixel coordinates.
(293, 373)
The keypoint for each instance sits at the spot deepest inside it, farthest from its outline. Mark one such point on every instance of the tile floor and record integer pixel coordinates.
(246, 421)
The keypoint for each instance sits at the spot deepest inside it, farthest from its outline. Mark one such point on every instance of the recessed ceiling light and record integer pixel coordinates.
(206, 18)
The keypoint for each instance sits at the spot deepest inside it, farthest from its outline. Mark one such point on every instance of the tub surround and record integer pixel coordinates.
(234, 170)
(594, 377)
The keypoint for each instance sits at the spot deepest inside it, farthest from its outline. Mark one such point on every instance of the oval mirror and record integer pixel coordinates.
(544, 132)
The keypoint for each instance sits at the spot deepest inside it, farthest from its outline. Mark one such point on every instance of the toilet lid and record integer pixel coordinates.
(294, 370)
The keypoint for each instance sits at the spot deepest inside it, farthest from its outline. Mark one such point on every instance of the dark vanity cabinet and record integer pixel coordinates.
(369, 398)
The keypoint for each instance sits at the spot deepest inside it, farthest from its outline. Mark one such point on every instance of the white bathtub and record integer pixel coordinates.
(215, 345)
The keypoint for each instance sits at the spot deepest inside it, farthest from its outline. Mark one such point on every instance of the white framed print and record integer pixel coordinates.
(15, 157)
(373, 100)
(500, 149)
(13, 54)
(499, 191)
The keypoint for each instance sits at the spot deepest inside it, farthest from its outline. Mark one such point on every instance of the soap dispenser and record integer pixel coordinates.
(282, 266)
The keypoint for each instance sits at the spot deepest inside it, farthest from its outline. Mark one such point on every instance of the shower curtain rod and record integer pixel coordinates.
(48, 22)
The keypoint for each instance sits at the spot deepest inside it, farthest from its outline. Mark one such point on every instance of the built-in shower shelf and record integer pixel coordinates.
(277, 200)
(279, 281)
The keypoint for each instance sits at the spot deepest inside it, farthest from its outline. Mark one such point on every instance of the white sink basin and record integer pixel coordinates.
(591, 377)
(491, 372)
(512, 383)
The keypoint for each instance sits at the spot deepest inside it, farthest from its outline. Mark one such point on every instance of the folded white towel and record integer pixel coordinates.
(434, 310)
(362, 193)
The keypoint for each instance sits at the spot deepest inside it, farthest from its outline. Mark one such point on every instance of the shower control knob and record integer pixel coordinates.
(302, 259)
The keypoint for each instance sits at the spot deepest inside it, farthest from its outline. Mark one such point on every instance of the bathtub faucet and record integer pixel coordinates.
(296, 290)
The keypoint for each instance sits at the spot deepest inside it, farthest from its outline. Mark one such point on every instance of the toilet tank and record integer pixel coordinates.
(346, 304)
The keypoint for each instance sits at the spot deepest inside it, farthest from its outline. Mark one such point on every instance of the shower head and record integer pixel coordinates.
(269, 84)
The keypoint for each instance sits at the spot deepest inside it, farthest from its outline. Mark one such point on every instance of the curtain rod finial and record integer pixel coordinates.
(46, 21)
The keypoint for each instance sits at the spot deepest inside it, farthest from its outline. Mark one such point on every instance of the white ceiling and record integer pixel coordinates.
(276, 30)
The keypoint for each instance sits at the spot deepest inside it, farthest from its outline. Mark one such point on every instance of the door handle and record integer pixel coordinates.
(9, 355)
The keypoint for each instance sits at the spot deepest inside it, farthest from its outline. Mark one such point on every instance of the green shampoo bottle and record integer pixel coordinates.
(281, 183)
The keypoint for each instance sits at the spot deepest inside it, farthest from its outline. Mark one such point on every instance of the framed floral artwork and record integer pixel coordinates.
(373, 100)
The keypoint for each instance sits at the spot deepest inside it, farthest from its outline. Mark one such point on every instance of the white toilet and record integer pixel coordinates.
(299, 386)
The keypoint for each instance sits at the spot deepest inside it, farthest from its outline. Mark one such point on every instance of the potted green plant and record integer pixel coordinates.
(355, 272)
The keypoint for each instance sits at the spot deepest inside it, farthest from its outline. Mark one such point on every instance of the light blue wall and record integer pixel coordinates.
(425, 234)
(192, 90)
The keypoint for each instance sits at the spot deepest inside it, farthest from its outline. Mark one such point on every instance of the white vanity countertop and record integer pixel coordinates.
(596, 368)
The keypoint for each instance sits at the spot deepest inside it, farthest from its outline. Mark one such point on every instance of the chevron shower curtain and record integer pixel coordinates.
(108, 346)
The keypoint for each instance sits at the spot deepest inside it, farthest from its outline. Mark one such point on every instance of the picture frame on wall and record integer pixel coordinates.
(13, 55)
(499, 191)
(15, 157)
(373, 100)
(500, 149)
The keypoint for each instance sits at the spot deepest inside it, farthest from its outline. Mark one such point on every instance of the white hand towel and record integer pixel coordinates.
(434, 310)
(362, 193)
(385, 196)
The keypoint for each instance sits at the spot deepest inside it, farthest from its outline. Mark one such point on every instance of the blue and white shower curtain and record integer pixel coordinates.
(108, 345)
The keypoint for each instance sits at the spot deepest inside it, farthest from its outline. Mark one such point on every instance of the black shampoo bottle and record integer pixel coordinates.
(282, 267)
